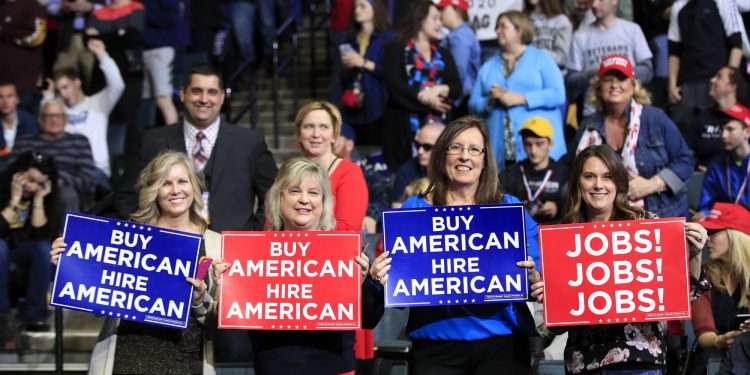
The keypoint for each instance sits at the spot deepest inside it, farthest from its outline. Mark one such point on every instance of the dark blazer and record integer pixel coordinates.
(240, 169)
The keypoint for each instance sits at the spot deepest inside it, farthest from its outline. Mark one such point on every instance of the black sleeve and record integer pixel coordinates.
(451, 77)
(373, 303)
(395, 78)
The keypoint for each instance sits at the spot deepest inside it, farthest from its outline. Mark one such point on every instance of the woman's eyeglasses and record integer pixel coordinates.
(457, 149)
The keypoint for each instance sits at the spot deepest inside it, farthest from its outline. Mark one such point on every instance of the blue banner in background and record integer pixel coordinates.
(455, 255)
(125, 270)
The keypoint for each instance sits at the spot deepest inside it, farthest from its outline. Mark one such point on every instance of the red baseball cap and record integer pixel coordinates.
(737, 112)
(619, 63)
(728, 216)
(462, 4)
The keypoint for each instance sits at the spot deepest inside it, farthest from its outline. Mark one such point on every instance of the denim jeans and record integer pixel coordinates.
(241, 15)
(31, 256)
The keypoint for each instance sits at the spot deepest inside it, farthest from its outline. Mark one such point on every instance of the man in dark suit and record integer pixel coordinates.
(237, 164)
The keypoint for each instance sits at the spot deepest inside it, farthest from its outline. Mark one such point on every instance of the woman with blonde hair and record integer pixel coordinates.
(728, 269)
(301, 199)
(170, 196)
(318, 125)
(655, 155)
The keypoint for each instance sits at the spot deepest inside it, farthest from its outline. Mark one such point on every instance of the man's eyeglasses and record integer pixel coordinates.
(426, 146)
(457, 149)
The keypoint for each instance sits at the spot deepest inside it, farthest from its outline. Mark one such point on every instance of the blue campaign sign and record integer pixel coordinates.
(455, 255)
(126, 270)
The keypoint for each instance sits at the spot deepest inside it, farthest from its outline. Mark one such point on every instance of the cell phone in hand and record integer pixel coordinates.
(739, 322)
(203, 265)
(345, 48)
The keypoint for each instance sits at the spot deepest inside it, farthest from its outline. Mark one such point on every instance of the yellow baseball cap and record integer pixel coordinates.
(539, 126)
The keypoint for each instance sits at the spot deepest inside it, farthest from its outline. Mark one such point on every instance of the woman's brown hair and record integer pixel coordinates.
(488, 190)
(411, 23)
(380, 20)
(576, 212)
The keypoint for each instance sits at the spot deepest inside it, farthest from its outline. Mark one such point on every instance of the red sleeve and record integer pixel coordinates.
(340, 14)
(349, 196)
(703, 316)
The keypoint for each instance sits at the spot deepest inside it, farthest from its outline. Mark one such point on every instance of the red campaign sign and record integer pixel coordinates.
(615, 272)
(290, 281)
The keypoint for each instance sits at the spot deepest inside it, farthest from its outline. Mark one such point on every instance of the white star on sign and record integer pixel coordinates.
(141, 227)
(119, 223)
(103, 312)
(296, 326)
(275, 234)
(473, 300)
(126, 225)
(273, 326)
(126, 316)
(445, 209)
(457, 301)
(118, 315)
(464, 301)
(148, 229)
(460, 208)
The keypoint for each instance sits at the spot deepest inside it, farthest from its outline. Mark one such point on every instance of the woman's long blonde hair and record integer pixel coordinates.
(291, 173)
(152, 178)
(594, 99)
(739, 265)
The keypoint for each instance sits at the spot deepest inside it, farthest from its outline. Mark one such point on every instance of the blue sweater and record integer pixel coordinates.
(473, 322)
(537, 77)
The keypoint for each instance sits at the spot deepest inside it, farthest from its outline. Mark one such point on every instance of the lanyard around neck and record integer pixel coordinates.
(533, 197)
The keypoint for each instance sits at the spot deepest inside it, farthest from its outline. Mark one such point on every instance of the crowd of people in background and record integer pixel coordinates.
(627, 101)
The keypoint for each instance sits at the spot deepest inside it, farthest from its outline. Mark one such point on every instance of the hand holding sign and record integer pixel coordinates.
(380, 267)
(58, 247)
(634, 271)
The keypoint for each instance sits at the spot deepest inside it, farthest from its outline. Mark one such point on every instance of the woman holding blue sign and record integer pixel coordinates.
(469, 339)
(599, 192)
(169, 197)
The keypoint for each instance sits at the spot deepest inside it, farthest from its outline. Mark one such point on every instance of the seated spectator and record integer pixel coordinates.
(416, 167)
(379, 180)
(89, 115)
(553, 31)
(715, 311)
(606, 36)
(464, 46)
(538, 180)
(362, 72)
(32, 217)
(72, 153)
(518, 83)
(16, 122)
(726, 177)
(703, 131)
(656, 156)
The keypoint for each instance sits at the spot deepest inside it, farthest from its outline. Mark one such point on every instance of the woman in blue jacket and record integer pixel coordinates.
(520, 82)
(467, 339)
(656, 156)
(363, 69)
